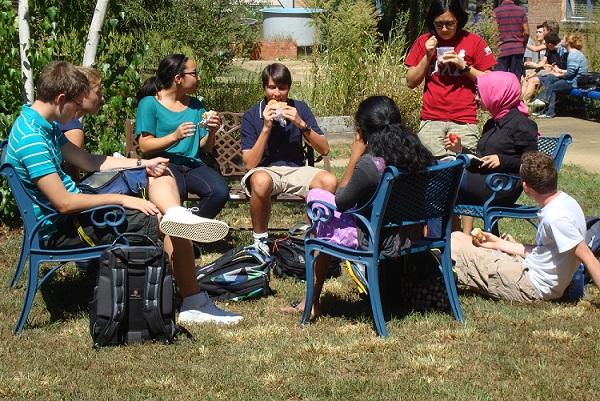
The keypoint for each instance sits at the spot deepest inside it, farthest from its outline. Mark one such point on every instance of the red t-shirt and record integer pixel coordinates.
(448, 95)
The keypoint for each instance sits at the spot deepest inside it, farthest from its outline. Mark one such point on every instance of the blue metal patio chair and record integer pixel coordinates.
(499, 182)
(401, 200)
(31, 248)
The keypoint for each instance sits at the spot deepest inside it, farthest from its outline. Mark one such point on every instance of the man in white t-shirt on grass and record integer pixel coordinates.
(518, 272)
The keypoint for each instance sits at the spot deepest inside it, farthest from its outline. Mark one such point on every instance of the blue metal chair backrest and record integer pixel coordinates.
(416, 198)
(555, 146)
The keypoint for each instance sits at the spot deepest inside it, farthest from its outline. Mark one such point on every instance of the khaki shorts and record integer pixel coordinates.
(289, 180)
(496, 274)
(432, 134)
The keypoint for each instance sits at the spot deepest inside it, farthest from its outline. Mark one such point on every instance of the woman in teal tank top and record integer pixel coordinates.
(171, 123)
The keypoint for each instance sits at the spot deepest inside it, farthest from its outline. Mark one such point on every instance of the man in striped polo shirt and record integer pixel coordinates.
(37, 147)
(514, 34)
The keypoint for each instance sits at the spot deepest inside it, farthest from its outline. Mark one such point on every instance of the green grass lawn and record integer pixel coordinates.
(504, 351)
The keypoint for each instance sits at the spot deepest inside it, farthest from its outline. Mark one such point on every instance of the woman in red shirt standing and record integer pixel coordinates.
(449, 59)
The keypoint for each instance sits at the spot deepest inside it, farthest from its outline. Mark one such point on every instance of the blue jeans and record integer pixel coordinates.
(205, 182)
(512, 63)
(548, 94)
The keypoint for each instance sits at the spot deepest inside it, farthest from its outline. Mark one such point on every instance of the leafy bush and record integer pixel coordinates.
(352, 61)
(486, 27)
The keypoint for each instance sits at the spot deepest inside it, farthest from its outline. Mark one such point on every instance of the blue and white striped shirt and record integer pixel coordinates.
(34, 150)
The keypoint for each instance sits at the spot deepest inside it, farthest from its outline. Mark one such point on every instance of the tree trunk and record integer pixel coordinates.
(27, 73)
(91, 46)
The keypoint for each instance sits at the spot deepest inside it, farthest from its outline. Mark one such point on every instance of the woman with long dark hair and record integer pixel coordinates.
(173, 124)
(449, 59)
(381, 139)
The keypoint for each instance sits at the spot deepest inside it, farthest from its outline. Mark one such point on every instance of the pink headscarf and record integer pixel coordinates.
(499, 92)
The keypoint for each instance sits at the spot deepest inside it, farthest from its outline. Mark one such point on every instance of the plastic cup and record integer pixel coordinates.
(442, 50)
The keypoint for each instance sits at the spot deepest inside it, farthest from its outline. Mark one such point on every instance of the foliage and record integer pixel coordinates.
(487, 27)
(592, 42)
(353, 61)
(212, 28)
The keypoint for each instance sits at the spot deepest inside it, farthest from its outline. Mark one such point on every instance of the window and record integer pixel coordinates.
(579, 10)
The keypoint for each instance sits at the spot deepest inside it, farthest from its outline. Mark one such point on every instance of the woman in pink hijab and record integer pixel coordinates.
(506, 136)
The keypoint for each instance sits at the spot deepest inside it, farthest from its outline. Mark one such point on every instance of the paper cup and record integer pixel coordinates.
(442, 50)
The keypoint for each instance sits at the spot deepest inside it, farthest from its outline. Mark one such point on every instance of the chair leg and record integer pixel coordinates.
(310, 285)
(22, 262)
(32, 286)
(451, 285)
(375, 298)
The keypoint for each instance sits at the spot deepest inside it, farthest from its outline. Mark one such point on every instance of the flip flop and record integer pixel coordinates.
(294, 307)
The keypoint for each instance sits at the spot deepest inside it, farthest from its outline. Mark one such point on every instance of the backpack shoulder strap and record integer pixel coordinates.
(155, 273)
(116, 273)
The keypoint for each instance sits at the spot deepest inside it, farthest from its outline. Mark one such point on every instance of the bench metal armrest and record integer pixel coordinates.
(499, 182)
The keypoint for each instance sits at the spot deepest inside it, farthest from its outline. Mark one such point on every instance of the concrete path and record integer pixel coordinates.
(585, 149)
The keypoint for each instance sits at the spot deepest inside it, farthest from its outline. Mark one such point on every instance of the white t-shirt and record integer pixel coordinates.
(552, 262)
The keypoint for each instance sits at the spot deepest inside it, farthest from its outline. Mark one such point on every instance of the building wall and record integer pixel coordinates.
(542, 10)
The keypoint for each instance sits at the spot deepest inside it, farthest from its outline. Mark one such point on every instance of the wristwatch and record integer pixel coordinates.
(465, 70)
(307, 128)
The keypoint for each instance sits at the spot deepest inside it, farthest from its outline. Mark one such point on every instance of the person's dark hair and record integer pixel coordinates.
(278, 72)
(438, 7)
(386, 136)
(552, 37)
(168, 68)
(60, 77)
(551, 26)
(539, 172)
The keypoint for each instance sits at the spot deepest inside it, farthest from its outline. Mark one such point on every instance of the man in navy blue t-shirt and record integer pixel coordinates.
(271, 136)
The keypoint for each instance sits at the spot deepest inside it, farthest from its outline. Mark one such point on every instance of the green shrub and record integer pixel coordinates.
(487, 27)
(352, 61)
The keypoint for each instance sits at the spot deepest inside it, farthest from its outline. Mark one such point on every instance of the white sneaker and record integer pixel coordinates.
(537, 103)
(207, 312)
(262, 247)
(180, 222)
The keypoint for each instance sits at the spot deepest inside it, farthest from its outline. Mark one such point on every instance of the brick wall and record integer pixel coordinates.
(542, 10)
(274, 50)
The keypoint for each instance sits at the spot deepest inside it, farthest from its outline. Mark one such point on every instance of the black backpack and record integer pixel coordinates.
(589, 80)
(133, 297)
(240, 273)
(289, 262)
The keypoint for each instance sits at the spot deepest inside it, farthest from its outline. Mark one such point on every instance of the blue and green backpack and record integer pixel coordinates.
(240, 273)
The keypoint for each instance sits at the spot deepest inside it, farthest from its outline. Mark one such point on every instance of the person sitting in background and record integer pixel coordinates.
(506, 136)
(449, 91)
(524, 273)
(73, 130)
(381, 139)
(562, 80)
(271, 134)
(37, 148)
(171, 123)
(532, 58)
(552, 57)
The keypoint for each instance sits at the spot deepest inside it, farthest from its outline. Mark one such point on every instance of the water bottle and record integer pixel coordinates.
(574, 291)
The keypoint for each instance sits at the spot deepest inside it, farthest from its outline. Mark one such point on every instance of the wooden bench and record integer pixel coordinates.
(227, 155)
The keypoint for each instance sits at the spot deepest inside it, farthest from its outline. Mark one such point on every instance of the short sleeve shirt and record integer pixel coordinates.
(552, 262)
(155, 119)
(448, 95)
(284, 147)
(511, 18)
(34, 149)
(70, 125)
